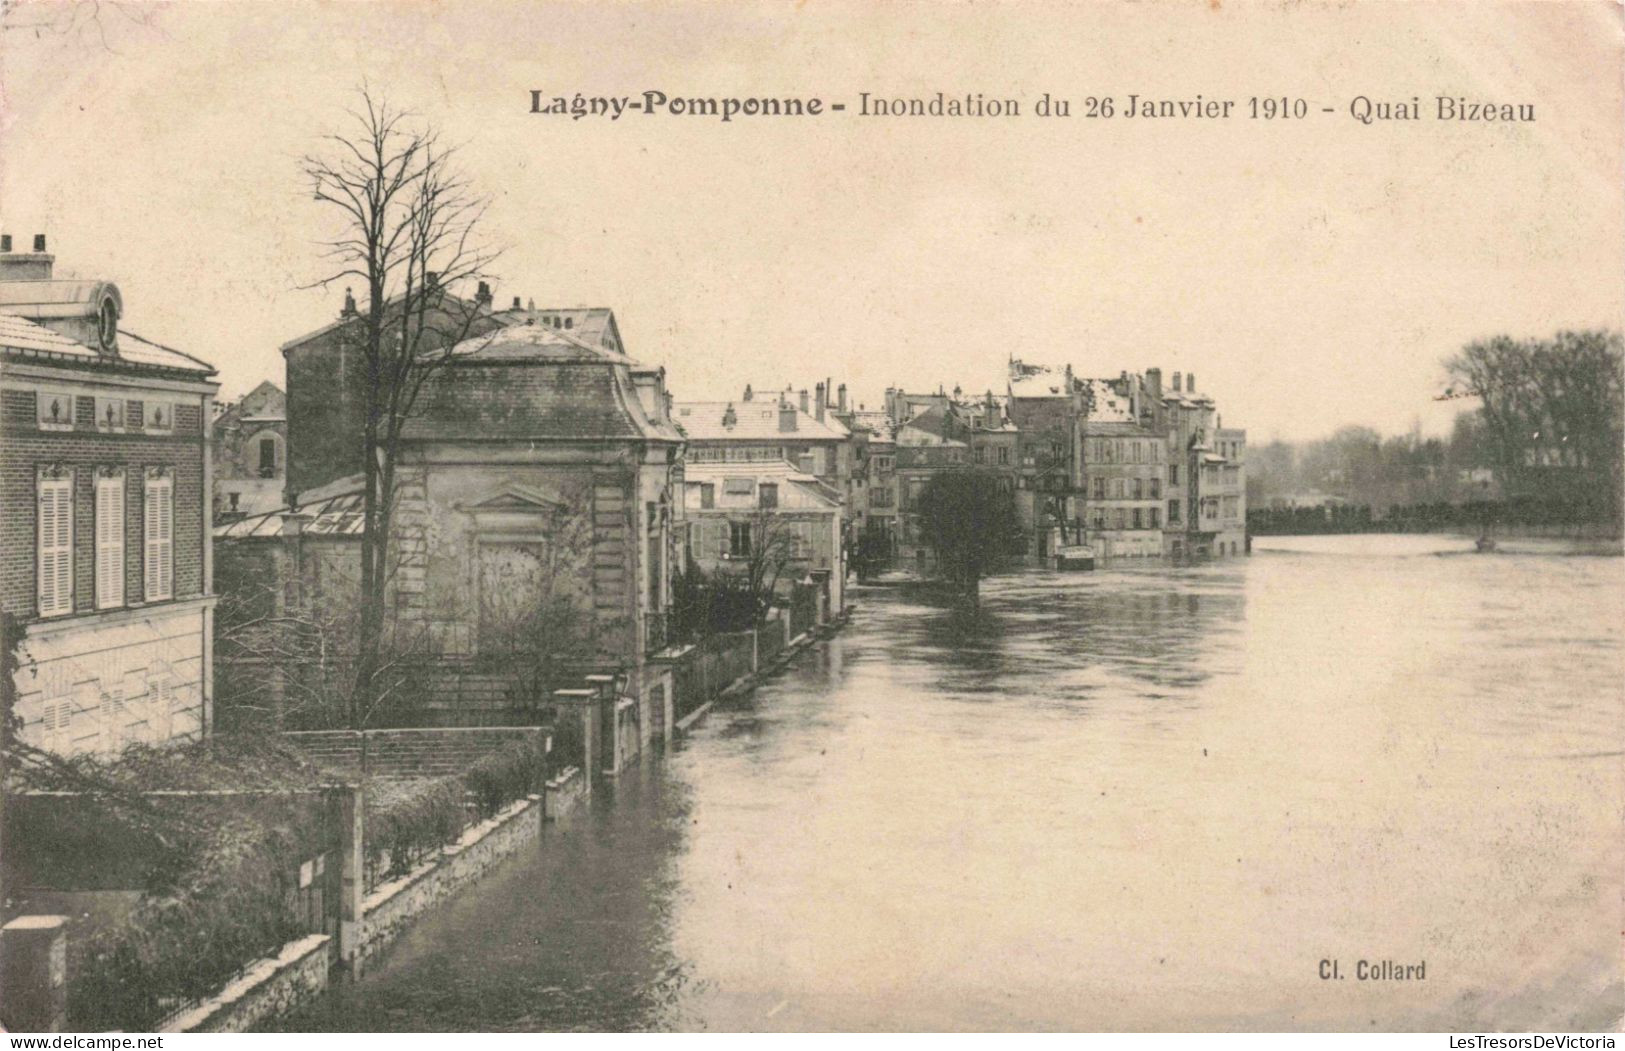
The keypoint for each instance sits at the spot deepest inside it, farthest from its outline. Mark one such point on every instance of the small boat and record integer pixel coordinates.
(1074, 556)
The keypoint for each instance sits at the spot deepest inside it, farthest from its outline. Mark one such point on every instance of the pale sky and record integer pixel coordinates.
(1312, 272)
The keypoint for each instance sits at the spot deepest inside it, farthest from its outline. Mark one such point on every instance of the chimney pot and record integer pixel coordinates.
(804, 397)
(5, 242)
(39, 242)
(1190, 382)
(516, 303)
(1177, 382)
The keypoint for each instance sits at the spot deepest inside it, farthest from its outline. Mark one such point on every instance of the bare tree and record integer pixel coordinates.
(409, 231)
(1551, 409)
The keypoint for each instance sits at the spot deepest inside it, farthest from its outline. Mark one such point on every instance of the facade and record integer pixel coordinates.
(935, 440)
(541, 463)
(1207, 479)
(734, 509)
(106, 517)
(250, 450)
(877, 518)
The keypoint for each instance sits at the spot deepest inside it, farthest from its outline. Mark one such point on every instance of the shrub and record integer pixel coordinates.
(229, 908)
(509, 773)
(407, 821)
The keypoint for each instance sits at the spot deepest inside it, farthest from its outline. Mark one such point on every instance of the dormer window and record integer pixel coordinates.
(107, 326)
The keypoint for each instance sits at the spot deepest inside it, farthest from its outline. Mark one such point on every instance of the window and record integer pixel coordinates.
(1118, 518)
(267, 457)
(109, 538)
(55, 410)
(739, 539)
(981, 454)
(739, 486)
(1004, 454)
(1139, 490)
(1137, 451)
(1138, 520)
(1173, 511)
(708, 496)
(1156, 518)
(1117, 488)
(1173, 474)
(770, 494)
(55, 543)
(806, 464)
(1100, 488)
(1156, 489)
(158, 536)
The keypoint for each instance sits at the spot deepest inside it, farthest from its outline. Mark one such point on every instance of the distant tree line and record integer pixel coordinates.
(1543, 448)
(1485, 516)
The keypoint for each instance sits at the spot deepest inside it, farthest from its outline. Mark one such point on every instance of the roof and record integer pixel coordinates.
(592, 325)
(21, 334)
(780, 471)
(333, 516)
(523, 338)
(755, 420)
(56, 297)
(876, 423)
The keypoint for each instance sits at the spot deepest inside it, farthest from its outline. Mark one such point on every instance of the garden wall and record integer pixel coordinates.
(395, 754)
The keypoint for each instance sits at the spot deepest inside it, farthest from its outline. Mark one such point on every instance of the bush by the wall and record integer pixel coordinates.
(510, 773)
(406, 821)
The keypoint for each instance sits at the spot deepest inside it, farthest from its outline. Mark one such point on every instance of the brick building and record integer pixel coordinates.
(106, 517)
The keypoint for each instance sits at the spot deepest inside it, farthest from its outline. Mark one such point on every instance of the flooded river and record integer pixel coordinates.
(1139, 798)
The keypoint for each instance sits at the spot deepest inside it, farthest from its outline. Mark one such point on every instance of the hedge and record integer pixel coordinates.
(407, 821)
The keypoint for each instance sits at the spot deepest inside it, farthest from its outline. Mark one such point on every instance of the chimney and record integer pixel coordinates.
(748, 392)
(517, 305)
(348, 309)
(787, 415)
(25, 266)
(482, 297)
(823, 399)
(1176, 383)
(840, 400)
(729, 417)
(804, 397)
(1153, 380)
(1190, 383)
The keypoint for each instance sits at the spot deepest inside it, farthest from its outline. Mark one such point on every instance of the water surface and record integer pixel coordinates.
(1140, 798)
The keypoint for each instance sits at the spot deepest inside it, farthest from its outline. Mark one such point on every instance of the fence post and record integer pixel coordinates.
(351, 807)
(755, 650)
(34, 974)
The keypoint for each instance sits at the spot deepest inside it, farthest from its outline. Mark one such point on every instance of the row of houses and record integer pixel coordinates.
(544, 467)
(1123, 464)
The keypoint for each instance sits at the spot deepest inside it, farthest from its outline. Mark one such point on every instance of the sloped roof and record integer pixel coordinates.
(523, 338)
(330, 516)
(20, 334)
(762, 471)
(755, 420)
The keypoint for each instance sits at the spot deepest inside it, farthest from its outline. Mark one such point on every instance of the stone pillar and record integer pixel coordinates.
(34, 974)
(349, 808)
(581, 704)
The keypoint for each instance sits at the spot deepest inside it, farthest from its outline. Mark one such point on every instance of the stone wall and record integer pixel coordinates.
(388, 909)
(267, 989)
(403, 754)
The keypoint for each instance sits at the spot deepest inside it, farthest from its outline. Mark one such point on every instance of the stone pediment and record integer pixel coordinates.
(515, 498)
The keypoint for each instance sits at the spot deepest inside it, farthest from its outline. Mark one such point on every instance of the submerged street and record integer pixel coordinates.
(1147, 797)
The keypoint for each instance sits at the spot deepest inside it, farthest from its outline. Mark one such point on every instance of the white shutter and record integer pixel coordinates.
(159, 552)
(55, 546)
(110, 541)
